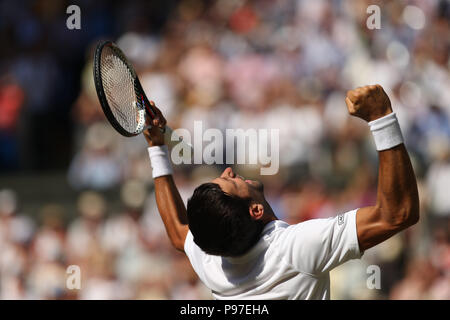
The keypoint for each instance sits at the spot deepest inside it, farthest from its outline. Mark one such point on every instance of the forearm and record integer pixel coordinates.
(168, 199)
(172, 210)
(397, 205)
(397, 195)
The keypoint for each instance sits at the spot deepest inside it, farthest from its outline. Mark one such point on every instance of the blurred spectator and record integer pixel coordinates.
(97, 165)
(11, 101)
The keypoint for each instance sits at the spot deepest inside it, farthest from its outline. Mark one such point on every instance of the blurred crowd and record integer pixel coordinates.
(269, 64)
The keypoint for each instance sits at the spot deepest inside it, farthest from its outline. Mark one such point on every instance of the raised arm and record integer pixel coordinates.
(170, 205)
(397, 206)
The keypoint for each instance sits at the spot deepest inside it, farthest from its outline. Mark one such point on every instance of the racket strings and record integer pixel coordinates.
(119, 87)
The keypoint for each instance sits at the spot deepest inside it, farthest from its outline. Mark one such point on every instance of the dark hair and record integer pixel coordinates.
(221, 223)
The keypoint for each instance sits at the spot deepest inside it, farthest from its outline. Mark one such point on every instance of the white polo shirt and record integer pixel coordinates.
(288, 262)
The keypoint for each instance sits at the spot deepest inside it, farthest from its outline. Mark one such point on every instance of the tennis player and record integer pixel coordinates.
(238, 247)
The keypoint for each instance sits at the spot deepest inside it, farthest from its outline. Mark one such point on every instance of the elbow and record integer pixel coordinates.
(407, 216)
(412, 218)
(177, 239)
(177, 243)
(413, 212)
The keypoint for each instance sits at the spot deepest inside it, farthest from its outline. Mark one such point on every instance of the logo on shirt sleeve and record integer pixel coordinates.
(340, 219)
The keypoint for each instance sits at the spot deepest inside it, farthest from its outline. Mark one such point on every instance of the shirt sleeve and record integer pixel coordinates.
(319, 245)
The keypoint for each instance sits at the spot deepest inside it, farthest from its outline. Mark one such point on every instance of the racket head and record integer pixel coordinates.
(119, 91)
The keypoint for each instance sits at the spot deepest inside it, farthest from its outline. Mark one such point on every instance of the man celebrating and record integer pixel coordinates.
(238, 247)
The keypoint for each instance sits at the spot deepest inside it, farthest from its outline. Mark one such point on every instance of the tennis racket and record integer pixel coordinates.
(121, 96)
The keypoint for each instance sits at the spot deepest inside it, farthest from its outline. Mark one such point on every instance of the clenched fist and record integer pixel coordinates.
(368, 103)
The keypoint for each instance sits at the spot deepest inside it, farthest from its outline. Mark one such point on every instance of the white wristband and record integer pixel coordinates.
(159, 160)
(386, 132)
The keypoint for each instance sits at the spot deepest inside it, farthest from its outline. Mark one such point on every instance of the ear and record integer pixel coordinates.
(256, 211)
